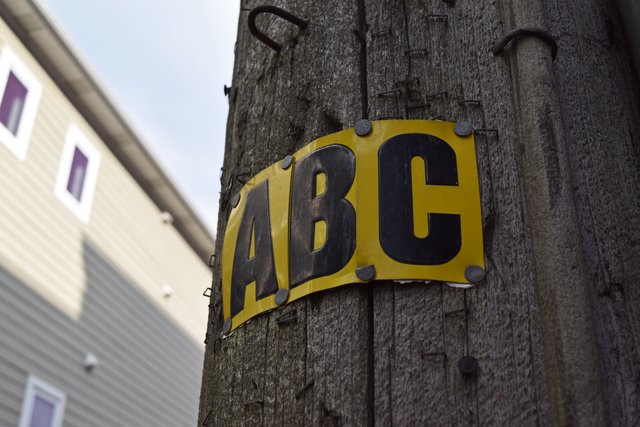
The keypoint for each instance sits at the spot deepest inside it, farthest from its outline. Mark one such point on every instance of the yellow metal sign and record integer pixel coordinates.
(400, 203)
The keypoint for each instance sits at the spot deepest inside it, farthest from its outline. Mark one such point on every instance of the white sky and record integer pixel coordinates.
(165, 64)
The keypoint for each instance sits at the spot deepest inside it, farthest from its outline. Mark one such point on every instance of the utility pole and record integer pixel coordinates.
(551, 336)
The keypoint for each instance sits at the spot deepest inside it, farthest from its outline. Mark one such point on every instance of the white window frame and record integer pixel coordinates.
(37, 387)
(75, 138)
(18, 144)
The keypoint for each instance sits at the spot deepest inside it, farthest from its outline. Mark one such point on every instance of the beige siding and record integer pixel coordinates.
(68, 288)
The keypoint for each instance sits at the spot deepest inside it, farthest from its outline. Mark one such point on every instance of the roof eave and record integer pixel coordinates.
(47, 42)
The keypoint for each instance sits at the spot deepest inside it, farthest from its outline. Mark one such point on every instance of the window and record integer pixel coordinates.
(19, 96)
(43, 405)
(77, 174)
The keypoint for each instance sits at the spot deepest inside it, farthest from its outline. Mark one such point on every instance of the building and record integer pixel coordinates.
(102, 263)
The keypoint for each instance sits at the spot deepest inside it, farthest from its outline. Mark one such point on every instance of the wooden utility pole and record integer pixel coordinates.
(555, 328)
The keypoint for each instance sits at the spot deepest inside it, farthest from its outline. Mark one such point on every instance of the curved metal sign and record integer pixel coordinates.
(400, 203)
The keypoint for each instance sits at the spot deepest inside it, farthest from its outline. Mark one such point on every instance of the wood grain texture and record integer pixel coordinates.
(443, 54)
(554, 328)
(311, 370)
(598, 91)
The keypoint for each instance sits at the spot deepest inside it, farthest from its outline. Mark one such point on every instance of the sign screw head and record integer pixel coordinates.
(235, 200)
(226, 327)
(286, 162)
(468, 365)
(362, 127)
(463, 128)
(282, 296)
(366, 273)
(474, 274)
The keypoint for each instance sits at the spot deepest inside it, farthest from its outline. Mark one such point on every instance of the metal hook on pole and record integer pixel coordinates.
(275, 11)
(527, 32)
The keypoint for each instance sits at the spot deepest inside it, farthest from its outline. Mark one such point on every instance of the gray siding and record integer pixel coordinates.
(149, 370)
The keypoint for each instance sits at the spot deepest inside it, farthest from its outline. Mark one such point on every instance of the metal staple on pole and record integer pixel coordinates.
(275, 11)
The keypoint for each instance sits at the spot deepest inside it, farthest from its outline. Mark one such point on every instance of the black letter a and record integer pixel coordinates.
(260, 267)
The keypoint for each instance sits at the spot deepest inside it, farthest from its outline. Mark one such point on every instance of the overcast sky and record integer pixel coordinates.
(165, 64)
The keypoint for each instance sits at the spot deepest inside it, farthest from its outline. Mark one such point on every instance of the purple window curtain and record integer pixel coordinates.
(42, 415)
(12, 104)
(77, 174)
